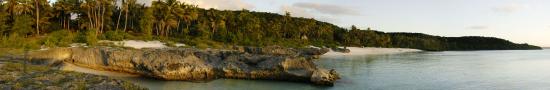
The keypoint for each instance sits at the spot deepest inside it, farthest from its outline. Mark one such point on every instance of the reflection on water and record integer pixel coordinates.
(445, 70)
(462, 70)
(221, 84)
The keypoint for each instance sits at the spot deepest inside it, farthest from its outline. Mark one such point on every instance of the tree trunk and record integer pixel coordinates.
(118, 20)
(69, 22)
(101, 19)
(187, 27)
(178, 26)
(90, 18)
(126, 18)
(37, 17)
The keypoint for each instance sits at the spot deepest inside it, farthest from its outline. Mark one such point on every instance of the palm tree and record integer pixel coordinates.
(145, 23)
(37, 8)
(91, 13)
(97, 13)
(129, 5)
(11, 7)
(62, 11)
(120, 13)
(190, 14)
(40, 4)
(158, 7)
(19, 13)
(3, 19)
(175, 12)
(23, 8)
(165, 17)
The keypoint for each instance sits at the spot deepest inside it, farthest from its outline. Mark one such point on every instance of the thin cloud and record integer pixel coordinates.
(322, 12)
(479, 27)
(302, 12)
(221, 4)
(216, 4)
(327, 8)
(510, 8)
(296, 11)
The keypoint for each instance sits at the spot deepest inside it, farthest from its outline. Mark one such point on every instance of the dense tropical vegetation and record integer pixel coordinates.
(33, 23)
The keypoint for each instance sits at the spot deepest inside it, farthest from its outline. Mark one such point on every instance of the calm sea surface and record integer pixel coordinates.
(454, 70)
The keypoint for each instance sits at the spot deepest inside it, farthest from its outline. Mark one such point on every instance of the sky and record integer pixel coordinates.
(520, 21)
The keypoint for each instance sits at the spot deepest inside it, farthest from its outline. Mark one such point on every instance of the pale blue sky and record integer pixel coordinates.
(520, 21)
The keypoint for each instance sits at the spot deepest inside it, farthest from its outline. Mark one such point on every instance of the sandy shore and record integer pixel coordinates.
(372, 51)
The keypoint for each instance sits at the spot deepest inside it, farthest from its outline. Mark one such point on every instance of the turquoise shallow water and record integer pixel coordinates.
(450, 70)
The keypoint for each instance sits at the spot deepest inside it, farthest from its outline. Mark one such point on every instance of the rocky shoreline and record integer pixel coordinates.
(187, 64)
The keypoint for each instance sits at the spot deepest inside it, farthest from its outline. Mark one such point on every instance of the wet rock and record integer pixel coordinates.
(342, 50)
(324, 77)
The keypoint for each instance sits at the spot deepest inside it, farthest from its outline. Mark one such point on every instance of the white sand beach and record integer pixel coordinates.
(371, 51)
(143, 44)
(138, 44)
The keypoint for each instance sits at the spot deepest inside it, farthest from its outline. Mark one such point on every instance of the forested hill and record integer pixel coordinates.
(169, 20)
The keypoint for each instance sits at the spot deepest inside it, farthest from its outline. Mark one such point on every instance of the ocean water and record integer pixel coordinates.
(449, 70)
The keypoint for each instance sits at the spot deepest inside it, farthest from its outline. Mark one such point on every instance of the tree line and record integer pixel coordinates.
(66, 21)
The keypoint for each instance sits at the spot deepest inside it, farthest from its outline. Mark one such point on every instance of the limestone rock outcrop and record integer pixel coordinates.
(186, 64)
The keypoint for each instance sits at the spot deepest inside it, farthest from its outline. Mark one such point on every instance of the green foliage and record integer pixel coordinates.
(22, 25)
(59, 38)
(91, 37)
(115, 35)
(146, 24)
(170, 43)
(3, 24)
(202, 45)
(81, 36)
(484, 43)
(418, 41)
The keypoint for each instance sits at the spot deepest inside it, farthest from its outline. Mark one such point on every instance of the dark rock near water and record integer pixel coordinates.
(13, 76)
(342, 50)
(270, 63)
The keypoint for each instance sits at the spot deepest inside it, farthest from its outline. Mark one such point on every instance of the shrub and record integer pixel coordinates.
(202, 45)
(170, 43)
(115, 35)
(91, 37)
(59, 38)
(217, 45)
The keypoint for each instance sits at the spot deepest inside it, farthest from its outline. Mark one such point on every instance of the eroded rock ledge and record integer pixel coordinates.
(268, 63)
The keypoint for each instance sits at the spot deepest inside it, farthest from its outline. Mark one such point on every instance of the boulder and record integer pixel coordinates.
(324, 77)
